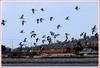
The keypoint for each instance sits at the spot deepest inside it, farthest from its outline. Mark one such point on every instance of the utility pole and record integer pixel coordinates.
(12, 45)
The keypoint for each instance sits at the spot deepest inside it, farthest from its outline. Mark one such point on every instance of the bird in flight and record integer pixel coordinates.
(56, 35)
(94, 29)
(21, 45)
(43, 36)
(32, 32)
(33, 35)
(77, 8)
(51, 18)
(23, 21)
(52, 33)
(22, 17)
(58, 26)
(33, 11)
(37, 39)
(43, 41)
(67, 18)
(41, 19)
(66, 36)
(34, 44)
(42, 9)
(24, 39)
(81, 33)
(3, 22)
(96, 35)
(84, 36)
(22, 31)
(37, 21)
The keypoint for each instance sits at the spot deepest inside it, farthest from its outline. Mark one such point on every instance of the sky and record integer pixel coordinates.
(80, 21)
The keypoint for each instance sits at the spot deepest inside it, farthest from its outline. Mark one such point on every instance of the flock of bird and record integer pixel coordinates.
(44, 37)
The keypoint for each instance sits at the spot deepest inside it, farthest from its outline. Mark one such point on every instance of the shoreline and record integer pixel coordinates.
(50, 62)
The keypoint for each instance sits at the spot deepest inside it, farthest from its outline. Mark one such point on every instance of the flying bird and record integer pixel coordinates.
(66, 36)
(42, 9)
(37, 21)
(52, 33)
(22, 31)
(21, 45)
(23, 21)
(33, 11)
(84, 36)
(96, 36)
(37, 39)
(77, 8)
(22, 17)
(32, 32)
(93, 29)
(51, 18)
(56, 35)
(41, 19)
(3, 22)
(67, 18)
(25, 39)
(43, 41)
(49, 39)
(33, 35)
(34, 44)
(43, 36)
(81, 33)
(58, 26)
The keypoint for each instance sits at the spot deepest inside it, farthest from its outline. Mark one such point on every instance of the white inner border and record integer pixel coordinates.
(48, 1)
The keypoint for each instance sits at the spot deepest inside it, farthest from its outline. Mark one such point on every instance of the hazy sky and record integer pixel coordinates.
(80, 21)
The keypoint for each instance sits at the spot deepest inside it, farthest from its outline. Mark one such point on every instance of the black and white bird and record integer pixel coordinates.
(43, 41)
(41, 19)
(43, 36)
(22, 31)
(33, 10)
(3, 22)
(96, 36)
(56, 35)
(67, 18)
(58, 26)
(33, 35)
(82, 34)
(42, 9)
(23, 22)
(49, 39)
(66, 35)
(21, 45)
(77, 8)
(25, 40)
(52, 33)
(51, 18)
(22, 16)
(37, 21)
(32, 32)
(37, 39)
(34, 44)
(94, 29)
